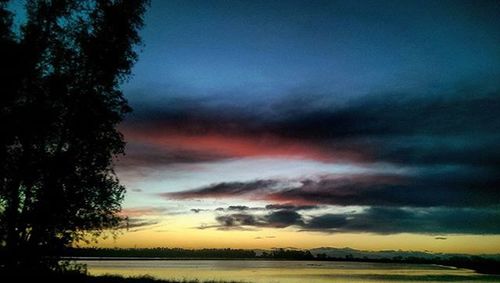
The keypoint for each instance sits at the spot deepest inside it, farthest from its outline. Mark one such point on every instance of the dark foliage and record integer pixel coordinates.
(60, 103)
(288, 254)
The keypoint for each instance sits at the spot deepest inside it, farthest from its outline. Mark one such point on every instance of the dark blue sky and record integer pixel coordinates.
(261, 50)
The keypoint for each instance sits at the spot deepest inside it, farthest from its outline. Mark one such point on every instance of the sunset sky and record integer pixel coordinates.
(364, 124)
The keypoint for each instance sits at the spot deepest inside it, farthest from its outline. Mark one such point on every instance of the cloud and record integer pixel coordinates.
(247, 221)
(176, 146)
(283, 218)
(445, 114)
(149, 156)
(238, 219)
(229, 189)
(268, 207)
(449, 140)
(426, 188)
(137, 223)
(289, 206)
(378, 220)
(238, 207)
(266, 237)
(327, 221)
(308, 114)
(383, 220)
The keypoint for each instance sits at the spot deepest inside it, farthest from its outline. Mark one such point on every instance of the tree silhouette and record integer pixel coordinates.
(60, 77)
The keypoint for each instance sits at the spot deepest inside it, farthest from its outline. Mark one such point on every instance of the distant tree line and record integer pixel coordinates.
(159, 253)
(288, 254)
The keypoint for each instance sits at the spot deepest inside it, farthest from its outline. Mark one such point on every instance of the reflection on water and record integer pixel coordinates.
(260, 271)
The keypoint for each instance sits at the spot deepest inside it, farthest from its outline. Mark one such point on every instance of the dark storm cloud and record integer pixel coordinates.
(283, 218)
(383, 220)
(309, 115)
(238, 207)
(453, 127)
(399, 114)
(430, 187)
(378, 220)
(239, 221)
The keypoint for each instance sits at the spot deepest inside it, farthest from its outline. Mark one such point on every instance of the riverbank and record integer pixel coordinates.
(82, 278)
(141, 279)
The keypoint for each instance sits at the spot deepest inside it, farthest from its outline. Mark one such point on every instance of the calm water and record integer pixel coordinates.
(260, 271)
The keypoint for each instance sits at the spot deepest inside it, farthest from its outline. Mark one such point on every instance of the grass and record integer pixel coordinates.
(82, 278)
(143, 279)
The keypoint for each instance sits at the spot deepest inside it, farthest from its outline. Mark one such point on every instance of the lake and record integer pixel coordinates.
(260, 271)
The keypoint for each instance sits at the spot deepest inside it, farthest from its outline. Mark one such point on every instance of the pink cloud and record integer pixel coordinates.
(243, 146)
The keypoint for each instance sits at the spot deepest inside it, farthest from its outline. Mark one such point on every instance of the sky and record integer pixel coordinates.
(364, 124)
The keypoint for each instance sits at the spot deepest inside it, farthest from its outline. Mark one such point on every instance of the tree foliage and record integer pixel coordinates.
(60, 103)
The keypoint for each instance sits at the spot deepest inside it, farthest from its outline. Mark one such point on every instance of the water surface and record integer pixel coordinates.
(260, 271)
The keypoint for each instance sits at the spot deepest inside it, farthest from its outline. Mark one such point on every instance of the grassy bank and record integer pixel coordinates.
(142, 279)
(81, 278)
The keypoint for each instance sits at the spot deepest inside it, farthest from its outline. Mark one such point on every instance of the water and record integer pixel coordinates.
(260, 271)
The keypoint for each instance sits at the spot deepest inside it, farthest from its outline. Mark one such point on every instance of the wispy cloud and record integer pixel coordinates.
(143, 211)
(134, 224)
(427, 188)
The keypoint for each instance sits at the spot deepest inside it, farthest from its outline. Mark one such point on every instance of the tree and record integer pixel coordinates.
(60, 78)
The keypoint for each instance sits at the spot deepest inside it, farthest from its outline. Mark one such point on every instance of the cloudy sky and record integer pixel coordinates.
(368, 124)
